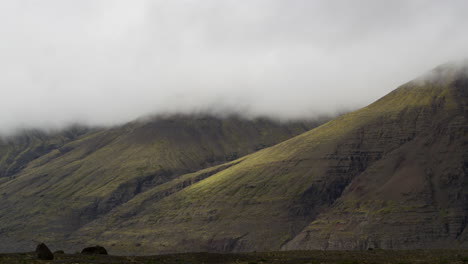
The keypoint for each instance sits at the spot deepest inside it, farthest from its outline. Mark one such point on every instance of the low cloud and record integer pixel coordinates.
(108, 62)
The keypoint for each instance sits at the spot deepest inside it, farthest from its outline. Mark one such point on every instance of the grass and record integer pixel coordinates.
(283, 257)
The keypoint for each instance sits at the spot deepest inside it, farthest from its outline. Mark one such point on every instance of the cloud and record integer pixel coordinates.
(107, 62)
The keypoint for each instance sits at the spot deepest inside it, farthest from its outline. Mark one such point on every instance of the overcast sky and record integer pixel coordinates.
(107, 62)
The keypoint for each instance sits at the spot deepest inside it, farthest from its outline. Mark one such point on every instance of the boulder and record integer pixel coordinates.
(97, 250)
(43, 252)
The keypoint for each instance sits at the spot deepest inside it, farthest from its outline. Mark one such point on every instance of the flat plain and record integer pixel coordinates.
(284, 257)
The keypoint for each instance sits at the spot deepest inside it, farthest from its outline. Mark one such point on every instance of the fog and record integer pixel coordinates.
(108, 62)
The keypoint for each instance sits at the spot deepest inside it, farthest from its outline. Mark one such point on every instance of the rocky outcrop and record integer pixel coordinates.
(43, 252)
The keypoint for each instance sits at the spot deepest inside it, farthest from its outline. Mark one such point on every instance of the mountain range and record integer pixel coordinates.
(393, 174)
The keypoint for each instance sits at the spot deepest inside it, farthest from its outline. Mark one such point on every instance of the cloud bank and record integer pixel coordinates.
(107, 62)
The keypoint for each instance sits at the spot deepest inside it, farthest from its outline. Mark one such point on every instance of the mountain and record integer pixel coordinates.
(390, 175)
(51, 184)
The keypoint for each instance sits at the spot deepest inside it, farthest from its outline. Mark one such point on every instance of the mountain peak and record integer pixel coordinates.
(446, 72)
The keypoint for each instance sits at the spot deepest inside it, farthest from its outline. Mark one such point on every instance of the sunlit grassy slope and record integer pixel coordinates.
(342, 185)
(72, 182)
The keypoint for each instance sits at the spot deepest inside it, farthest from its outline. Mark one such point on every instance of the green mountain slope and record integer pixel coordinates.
(390, 175)
(17, 151)
(55, 192)
(415, 196)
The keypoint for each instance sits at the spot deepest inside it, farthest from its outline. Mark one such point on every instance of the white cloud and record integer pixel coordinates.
(107, 62)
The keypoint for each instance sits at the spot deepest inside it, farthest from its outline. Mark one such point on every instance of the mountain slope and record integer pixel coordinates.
(416, 196)
(17, 151)
(374, 177)
(73, 183)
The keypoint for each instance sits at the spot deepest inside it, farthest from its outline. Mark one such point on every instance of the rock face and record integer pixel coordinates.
(96, 250)
(43, 252)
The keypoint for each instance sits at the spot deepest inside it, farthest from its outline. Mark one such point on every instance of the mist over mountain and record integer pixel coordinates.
(391, 175)
(172, 126)
(109, 62)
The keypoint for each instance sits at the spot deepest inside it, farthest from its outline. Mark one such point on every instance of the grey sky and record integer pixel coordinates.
(107, 62)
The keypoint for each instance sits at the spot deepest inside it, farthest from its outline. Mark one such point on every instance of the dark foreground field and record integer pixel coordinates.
(312, 257)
